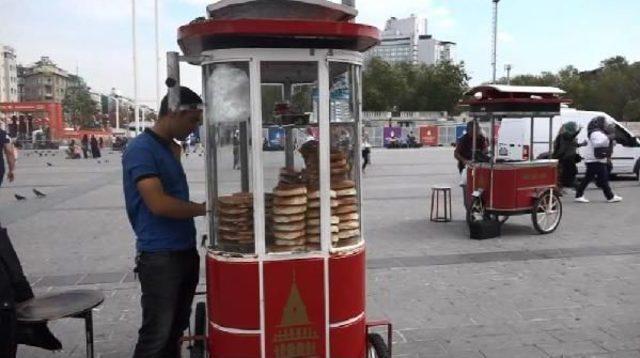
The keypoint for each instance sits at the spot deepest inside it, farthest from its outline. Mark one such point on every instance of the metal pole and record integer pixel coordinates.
(135, 67)
(495, 39)
(531, 140)
(289, 148)
(117, 112)
(244, 156)
(173, 80)
(155, 7)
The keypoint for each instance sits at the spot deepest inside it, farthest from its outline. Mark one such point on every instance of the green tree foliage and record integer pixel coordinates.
(79, 107)
(406, 87)
(613, 88)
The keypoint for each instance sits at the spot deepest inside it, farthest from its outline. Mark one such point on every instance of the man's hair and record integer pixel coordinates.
(187, 97)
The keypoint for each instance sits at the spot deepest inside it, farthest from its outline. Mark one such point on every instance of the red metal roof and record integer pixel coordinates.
(275, 33)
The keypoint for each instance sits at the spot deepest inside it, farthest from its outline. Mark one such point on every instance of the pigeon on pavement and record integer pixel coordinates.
(19, 197)
(49, 164)
(39, 194)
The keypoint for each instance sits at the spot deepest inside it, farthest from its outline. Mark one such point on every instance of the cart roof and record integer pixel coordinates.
(307, 24)
(520, 101)
(320, 10)
(517, 89)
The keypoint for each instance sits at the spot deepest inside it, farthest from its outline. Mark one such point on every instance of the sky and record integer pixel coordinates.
(93, 37)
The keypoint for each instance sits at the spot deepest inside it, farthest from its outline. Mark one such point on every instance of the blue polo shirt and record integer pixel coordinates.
(149, 155)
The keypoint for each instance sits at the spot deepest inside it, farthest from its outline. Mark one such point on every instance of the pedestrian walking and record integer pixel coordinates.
(100, 142)
(6, 150)
(597, 152)
(366, 153)
(565, 150)
(161, 215)
(236, 149)
(95, 148)
(84, 145)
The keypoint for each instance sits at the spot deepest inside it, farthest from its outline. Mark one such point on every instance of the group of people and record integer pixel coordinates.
(87, 146)
(597, 155)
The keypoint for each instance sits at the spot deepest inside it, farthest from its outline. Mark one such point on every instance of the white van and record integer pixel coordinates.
(514, 140)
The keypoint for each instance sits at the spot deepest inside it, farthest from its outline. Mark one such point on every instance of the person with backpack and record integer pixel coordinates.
(596, 154)
(565, 150)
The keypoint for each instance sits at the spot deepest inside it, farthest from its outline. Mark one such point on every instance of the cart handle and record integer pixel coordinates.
(383, 323)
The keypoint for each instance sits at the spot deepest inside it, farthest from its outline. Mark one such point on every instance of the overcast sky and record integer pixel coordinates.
(94, 36)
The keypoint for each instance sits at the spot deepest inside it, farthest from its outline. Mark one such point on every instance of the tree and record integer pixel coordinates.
(80, 107)
(408, 87)
(631, 111)
(613, 88)
(383, 86)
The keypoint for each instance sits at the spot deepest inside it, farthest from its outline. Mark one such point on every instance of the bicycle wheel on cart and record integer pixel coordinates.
(547, 212)
(377, 347)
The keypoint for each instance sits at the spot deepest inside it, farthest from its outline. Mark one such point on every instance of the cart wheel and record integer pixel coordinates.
(547, 212)
(377, 347)
(476, 211)
(200, 324)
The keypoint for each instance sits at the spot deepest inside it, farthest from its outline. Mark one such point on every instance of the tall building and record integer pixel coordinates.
(8, 75)
(45, 81)
(406, 40)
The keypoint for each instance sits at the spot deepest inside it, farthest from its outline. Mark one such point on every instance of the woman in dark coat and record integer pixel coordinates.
(565, 150)
(95, 148)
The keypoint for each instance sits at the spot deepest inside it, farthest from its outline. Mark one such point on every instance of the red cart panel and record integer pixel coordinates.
(347, 286)
(237, 285)
(349, 341)
(295, 308)
(232, 345)
(514, 186)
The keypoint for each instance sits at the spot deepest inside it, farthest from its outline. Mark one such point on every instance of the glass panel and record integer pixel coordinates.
(345, 155)
(290, 153)
(228, 120)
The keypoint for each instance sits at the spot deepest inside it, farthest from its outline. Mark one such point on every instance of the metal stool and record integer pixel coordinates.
(69, 304)
(445, 190)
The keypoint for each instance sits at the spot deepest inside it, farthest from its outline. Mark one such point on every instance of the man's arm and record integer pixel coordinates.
(11, 160)
(458, 156)
(165, 205)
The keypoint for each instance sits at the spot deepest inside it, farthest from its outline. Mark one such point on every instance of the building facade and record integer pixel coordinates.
(45, 82)
(8, 75)
(406, 40)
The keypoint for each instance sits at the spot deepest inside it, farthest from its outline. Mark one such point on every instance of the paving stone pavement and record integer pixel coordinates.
(575, 293)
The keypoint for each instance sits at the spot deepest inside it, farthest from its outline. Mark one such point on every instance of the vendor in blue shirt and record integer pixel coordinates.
(161, 215)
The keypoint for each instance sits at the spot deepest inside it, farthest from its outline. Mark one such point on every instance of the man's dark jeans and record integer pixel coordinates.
(599, 172)
(168, 281)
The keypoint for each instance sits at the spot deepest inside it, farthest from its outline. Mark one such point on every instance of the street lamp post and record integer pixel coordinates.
(507, 68)
(495, 38)
(115, 94)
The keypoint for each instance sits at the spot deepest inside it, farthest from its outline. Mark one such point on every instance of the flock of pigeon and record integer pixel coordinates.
(37, 192)
(46, 153)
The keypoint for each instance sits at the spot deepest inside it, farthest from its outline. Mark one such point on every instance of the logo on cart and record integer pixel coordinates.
(296, 336)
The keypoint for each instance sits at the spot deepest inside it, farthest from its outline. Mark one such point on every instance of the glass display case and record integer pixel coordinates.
(279, 126)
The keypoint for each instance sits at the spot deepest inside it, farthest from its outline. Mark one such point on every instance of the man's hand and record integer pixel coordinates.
(11, 176)
(161, 204)
(203, 208)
